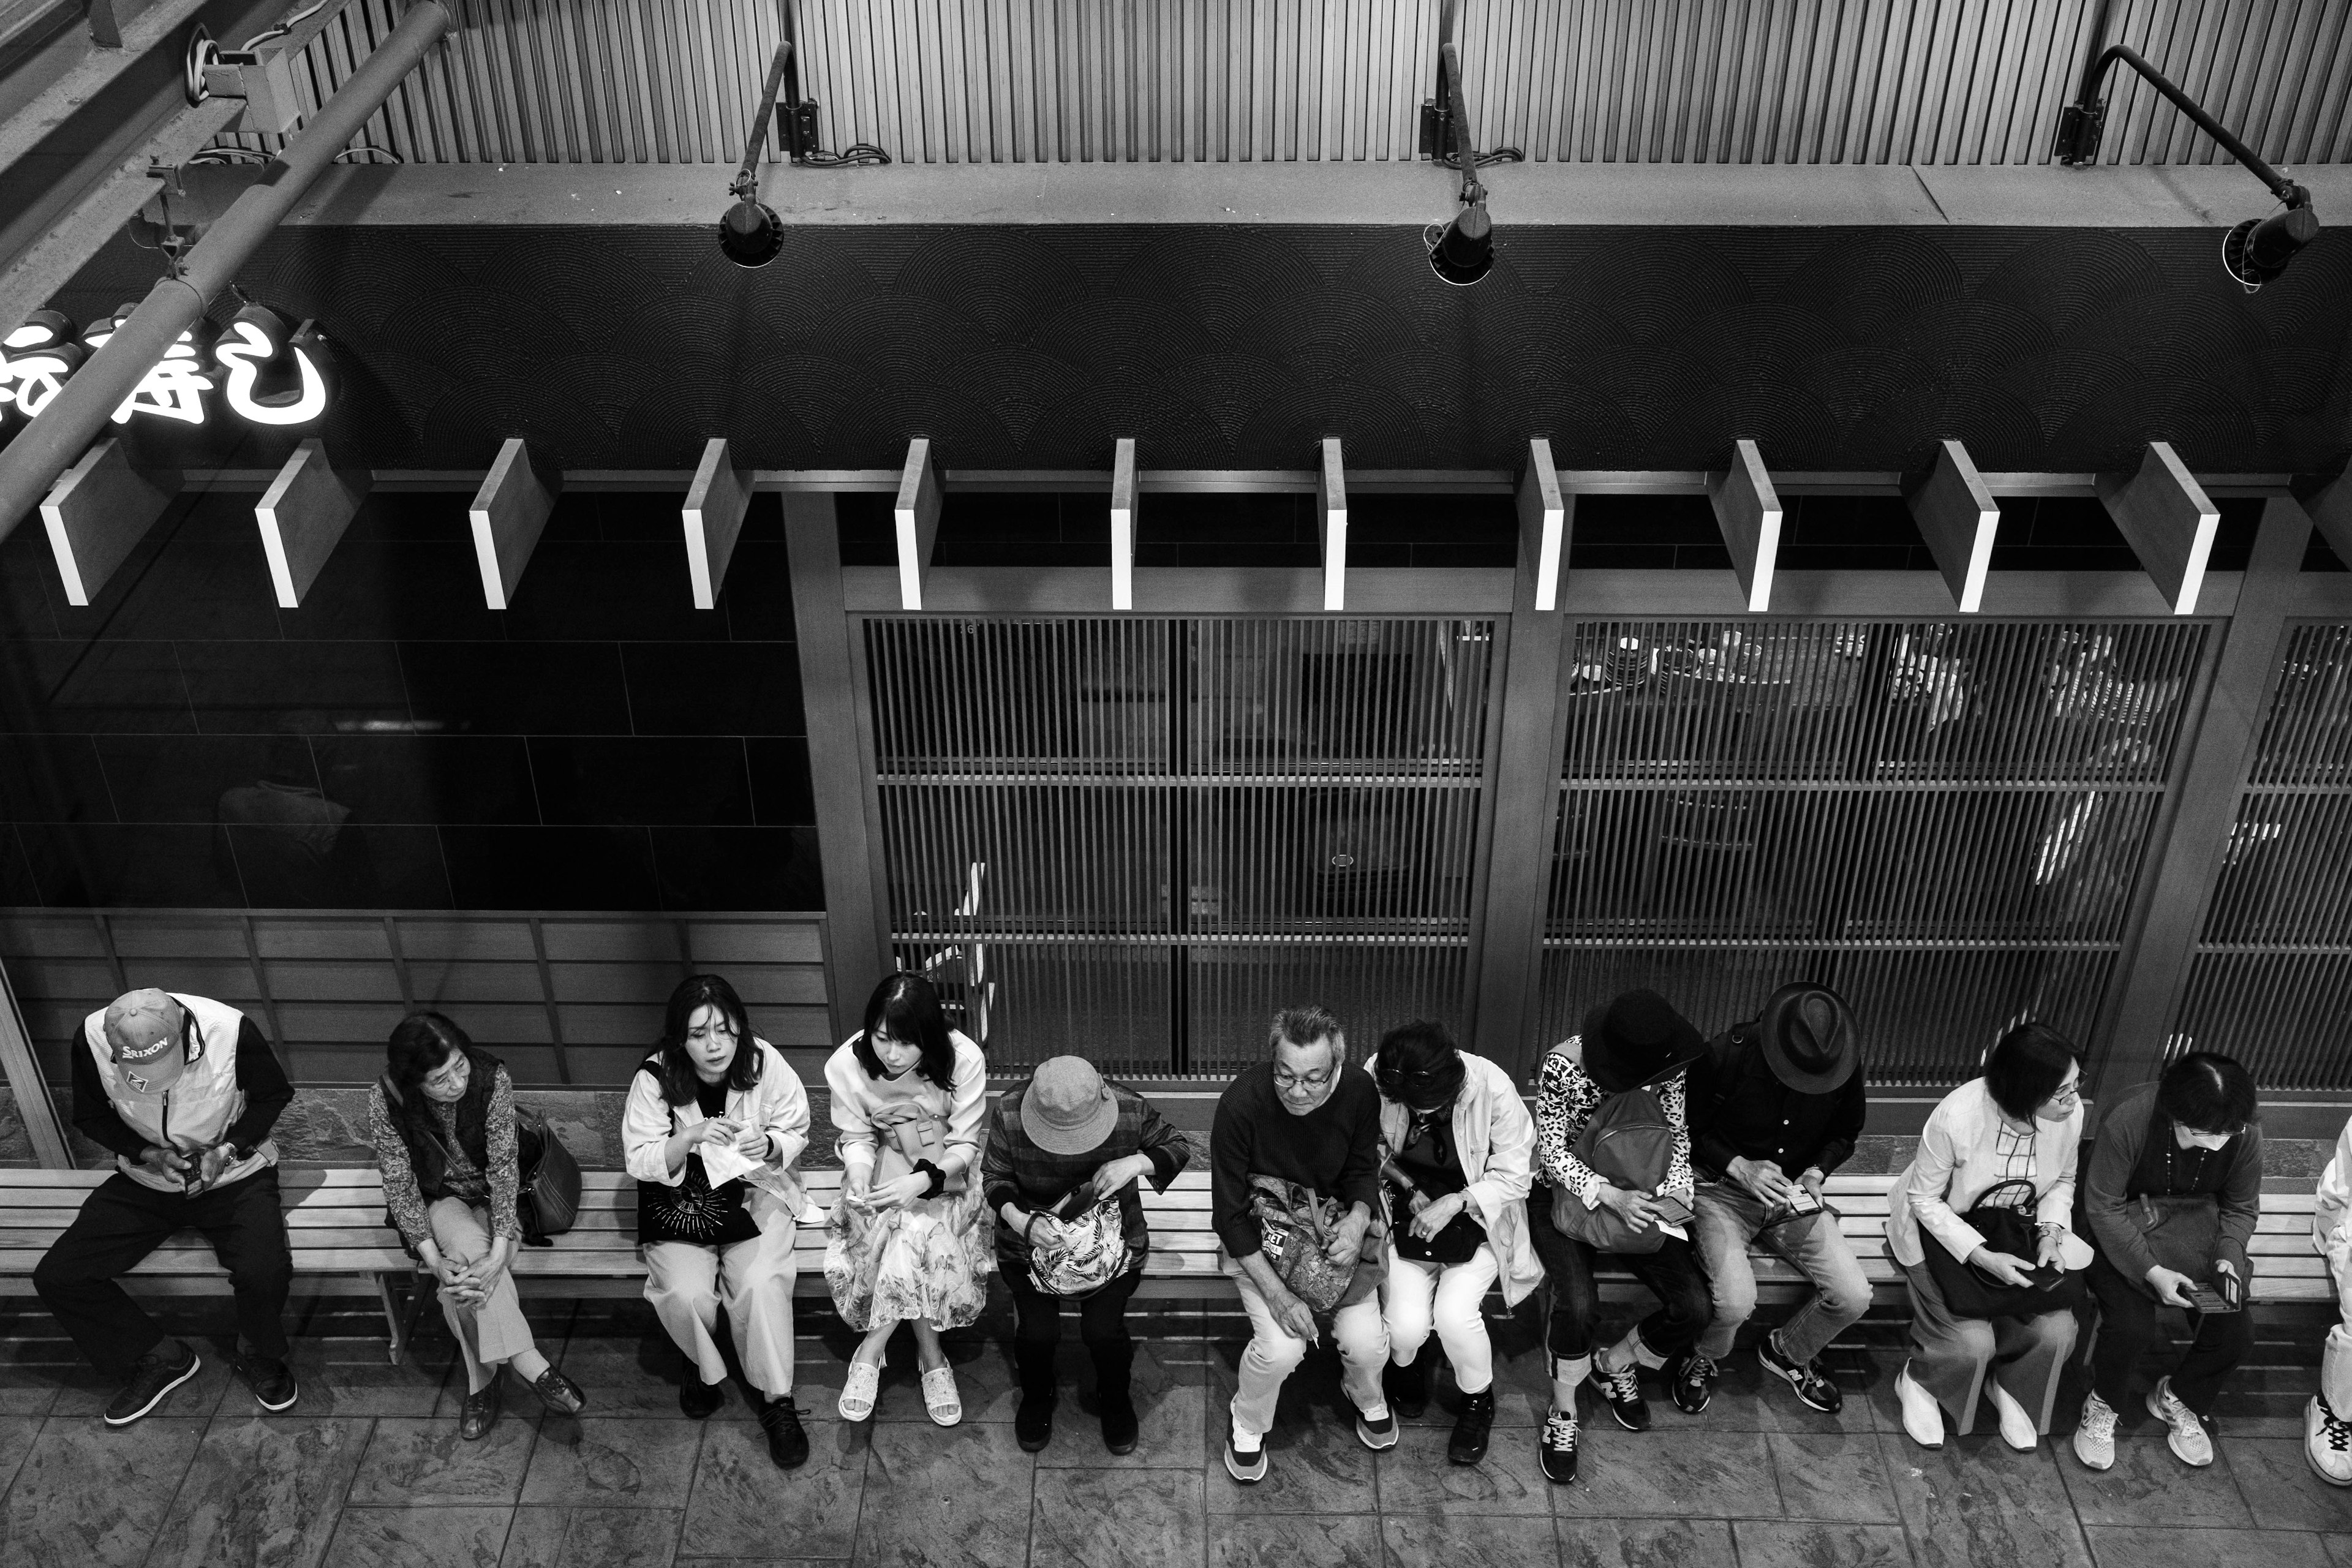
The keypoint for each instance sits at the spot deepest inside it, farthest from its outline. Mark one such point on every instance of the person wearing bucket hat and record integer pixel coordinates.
(1068, 1141)
(1637, 1041)
(1776, 1106)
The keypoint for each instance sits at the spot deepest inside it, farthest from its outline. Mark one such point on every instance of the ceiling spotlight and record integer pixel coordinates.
(751, 234)
(2258, 249)
(1465, 251)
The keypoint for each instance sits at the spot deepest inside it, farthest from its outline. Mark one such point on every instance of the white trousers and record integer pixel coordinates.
(688, 1284)
(1450, 1296)
(2335, 1357)
(1275, 1353)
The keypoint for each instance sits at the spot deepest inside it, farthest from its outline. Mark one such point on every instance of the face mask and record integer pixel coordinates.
(2211, 1141)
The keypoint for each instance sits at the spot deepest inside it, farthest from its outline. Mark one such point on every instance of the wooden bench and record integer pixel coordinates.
(341, 1245)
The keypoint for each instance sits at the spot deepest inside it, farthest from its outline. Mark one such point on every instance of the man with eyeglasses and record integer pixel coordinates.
(1300, 1118)
(184, 1090)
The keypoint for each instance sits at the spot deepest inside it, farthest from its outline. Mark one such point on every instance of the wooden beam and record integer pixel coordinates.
(1123, 498)
(715, 505)
(1749, 511)
(43, 1126)
(303, 516)
(2330, 507)
(917, 516)
(509, 512)
(1331, 507)
(96, 513)
(1543, 524)
(1958, 519)
(2164, 514)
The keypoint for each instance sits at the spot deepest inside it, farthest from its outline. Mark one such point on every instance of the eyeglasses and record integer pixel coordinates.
(1285, 1079)
(2071, 1094)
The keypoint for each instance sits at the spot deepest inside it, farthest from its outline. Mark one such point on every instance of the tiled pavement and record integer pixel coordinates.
(369, 1471)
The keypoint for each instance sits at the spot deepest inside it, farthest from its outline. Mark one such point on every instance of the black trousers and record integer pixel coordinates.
(1102, 1325)
(2127, 1330)
(1672, 1273)
(121, 1222)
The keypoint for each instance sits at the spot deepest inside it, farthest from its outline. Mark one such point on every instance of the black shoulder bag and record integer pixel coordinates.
(2007, 1225)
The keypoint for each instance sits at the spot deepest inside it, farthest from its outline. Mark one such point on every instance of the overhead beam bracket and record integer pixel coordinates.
(303, 516)
(509, 513)
(1748, 511)
(2164, 515)
(1124, 495)
(713, 513)
(1543, 524)
(1959, 520)
(96, 513)
(915, 515)
(1331, 512)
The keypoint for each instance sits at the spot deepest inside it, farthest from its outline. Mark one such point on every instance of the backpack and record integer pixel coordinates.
(1630, 1142)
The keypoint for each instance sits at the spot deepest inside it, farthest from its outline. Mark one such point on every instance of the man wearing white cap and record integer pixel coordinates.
(184, 1090)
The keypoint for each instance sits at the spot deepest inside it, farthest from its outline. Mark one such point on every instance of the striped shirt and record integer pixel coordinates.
(1014, 1170)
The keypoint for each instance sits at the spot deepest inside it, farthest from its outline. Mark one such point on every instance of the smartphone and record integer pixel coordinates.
(2203, 1297)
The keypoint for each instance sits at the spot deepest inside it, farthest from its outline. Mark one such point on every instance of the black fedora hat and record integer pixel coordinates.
(1808, 1038)
(1637, 1039)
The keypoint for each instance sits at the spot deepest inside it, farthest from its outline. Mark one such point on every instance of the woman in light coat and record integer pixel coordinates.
(2022, 1120)
(2328, 1418)
(713, 1130)
(1456, 1145)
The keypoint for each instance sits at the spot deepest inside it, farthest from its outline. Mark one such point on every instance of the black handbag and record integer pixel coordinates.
(546, 1195)
(1458, 1243)
(694, 1211)
(2007, 1226)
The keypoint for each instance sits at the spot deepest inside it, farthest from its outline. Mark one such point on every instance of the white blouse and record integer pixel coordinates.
(777, 1104)
(1964, 1150)
(857, 1098)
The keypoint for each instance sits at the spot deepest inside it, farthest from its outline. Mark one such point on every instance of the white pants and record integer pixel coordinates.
(752, 1279)
(1452, 1295)
(2336, 1358)
(1275, 1353)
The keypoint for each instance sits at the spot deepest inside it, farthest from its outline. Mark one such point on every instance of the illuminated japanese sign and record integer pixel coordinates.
(266, 369)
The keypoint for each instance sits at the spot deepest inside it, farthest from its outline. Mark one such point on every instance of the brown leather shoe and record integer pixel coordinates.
(559, 1393)
(481, 1410)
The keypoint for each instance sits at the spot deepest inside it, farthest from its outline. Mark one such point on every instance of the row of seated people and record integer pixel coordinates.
(1379, 1206)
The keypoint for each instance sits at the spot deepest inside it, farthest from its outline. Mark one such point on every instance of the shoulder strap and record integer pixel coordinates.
(392, 1096)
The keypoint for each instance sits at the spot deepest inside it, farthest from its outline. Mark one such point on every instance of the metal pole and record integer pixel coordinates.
(49, 445)
(2286, 190)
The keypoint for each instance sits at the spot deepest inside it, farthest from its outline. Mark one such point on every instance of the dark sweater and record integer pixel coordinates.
(2129, 1160)
(1334, 1150)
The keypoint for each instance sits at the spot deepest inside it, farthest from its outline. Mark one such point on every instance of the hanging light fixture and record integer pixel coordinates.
(752, 233)
(1463, 250)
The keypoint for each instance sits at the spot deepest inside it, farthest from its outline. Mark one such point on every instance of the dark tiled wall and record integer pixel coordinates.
(602, 745)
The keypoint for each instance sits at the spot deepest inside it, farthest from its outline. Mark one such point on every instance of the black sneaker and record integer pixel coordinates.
(272, 1382)
(1247, 1466)
(788, 1447)
(559, 1393)
(153, 1377)
(1032, 1422)
(1692, 1378)
(480, 1411)
(1623, 1393)
(1407, 1388)
(1120, 1430)
(1556, 1447)
(698, 1398)
(1812, 1384)
(1471, 1428)
(1377, 1435)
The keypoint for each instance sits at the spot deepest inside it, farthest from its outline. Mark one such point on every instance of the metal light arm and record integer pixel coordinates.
(1457, 120)
(745, 186)
(2079, 127)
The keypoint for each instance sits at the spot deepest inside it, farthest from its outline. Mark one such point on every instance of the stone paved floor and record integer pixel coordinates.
(369, 1471)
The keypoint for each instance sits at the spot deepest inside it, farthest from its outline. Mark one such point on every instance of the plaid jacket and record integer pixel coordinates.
(1013, 1170)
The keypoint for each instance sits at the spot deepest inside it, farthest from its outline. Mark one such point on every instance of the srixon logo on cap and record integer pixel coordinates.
(264, 367)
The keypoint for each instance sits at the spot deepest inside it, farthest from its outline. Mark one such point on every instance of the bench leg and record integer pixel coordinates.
(400, 1322)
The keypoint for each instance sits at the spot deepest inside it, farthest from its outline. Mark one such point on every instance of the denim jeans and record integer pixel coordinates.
(1730, 1216)
(1671, 1273)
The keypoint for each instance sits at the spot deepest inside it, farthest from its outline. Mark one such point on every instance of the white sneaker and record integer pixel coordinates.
(2095, 1439)
(2327, 1444)
(1923, 1418)
(2016, 1426)
(2189, 1442)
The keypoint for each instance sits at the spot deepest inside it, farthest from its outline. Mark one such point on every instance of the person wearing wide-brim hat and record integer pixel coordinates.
(1637, 1041)
(1058, 1145)
(1775, 1108)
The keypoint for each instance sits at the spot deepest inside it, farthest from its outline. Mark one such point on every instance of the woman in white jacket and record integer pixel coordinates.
(713, 1132)
(2328, 1420)
(1457, 1152)
(2022, 1121)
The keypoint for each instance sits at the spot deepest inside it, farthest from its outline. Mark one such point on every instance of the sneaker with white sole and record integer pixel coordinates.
(1556, 1447)
(2189, 1440)
(1378, 1433)
(1620, 1390)
(1247, 1466)
(2327, 1442)
(2095, 1437)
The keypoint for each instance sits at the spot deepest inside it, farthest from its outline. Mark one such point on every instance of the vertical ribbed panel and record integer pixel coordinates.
(2270, 982)
(1179, 826)
(1635, 81)
(1943, 820)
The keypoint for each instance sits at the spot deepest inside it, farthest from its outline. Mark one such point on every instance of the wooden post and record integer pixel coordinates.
(713, 514)
(43, 1126)
(96, 513)
(1543, 524)
(509, 513)
(2162, 511)
(1123, 498)
(1959, 520)
(303, 516)
(2192, 834)
(1748, 510)
(841, 780)
(1331, 511)
(917, 515)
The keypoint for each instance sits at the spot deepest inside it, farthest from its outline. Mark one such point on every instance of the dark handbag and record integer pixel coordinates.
(694, 1211)
(1458, 1243)
(2181, 1229)
(1970, 1292)
(1295, 1228)
(550, 1198)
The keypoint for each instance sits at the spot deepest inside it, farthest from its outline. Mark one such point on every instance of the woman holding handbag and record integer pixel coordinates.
(1065, 1152)
(2015, 1131)
(1457, 1150)
(2174, 1190)
(905, 1242)
(713, 1130)
(442, 1118)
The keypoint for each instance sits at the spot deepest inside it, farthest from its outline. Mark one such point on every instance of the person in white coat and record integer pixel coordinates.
(1457, 1157)
(713, 1132)
(2328, 1420)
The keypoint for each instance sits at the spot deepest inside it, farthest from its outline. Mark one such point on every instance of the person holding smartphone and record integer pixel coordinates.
(2174, 1188)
